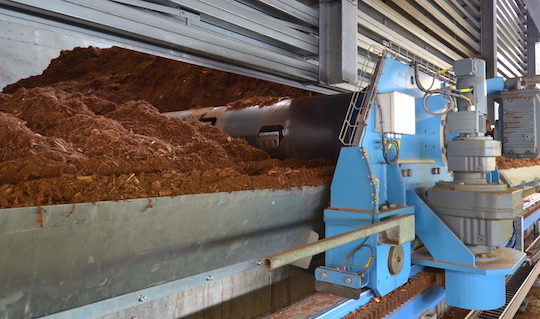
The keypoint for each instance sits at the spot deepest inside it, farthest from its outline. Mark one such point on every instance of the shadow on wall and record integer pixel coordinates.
(263, 301)
(252, 294)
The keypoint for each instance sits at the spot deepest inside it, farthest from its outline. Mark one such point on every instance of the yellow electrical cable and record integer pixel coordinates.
(465, 98)
(465, 90)
(389, 145)
(443, 71)
(368, 262)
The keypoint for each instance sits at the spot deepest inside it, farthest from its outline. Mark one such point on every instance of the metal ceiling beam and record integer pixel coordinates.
(337, 55)
(488, 45)
(458, 28)
(435, 27)
(511, 36)
(290, 8)
(467, 22)
(533, 36)
(488, 42)
(533, 6)
(250, 23)
(399, 19)
(370, 23)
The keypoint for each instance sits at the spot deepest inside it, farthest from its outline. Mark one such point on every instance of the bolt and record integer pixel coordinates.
(324, 275)
(259, 262)
(406, 172)
(209, 278)
(348, 280)
(142, 298)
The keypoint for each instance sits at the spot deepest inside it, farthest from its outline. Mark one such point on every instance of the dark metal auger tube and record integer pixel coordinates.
(299, 128)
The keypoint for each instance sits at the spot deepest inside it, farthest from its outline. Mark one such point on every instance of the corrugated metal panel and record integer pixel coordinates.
(276, 37)
(438, 31)
(511, 38)
(279, 39)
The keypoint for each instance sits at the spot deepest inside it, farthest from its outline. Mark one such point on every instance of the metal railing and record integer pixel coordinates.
(362, 98)
(366, 87)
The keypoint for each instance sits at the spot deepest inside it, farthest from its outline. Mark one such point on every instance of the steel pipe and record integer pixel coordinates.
(404, 223)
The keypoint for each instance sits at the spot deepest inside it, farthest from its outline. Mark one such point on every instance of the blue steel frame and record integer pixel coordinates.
(427, 300)
(362, 181)
(414, 308)
(531, 219)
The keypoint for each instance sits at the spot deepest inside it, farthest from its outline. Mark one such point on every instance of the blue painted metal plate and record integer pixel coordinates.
(340, 277)
(531, 219)
(441, 242)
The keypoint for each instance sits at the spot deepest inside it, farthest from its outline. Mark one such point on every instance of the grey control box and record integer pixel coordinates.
(520, 120)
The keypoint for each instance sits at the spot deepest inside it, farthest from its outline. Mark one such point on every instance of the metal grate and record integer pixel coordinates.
(410, 57)
(370, 67)
(513, 284)
(358, 111)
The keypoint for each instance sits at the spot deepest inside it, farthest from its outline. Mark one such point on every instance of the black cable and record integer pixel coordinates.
(384, 142)
(385, 151)
(350, 255)
(512, 241)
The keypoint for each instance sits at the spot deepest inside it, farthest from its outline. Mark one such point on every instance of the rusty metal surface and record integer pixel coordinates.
(379, 307)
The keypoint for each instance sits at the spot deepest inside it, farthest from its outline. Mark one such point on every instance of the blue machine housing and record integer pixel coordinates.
(363, 181)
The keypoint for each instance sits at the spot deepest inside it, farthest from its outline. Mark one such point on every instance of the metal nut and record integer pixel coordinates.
(348, 280)
(324, 275)
(209, 278)
(142, 298)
